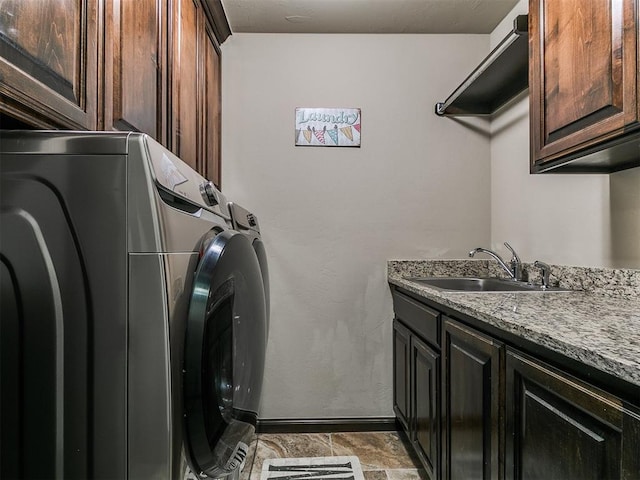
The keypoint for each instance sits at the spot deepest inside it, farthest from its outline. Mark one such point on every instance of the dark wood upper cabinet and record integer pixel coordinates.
(195, 90)
(134, 66)
(185, 108)
(49, 62)
(212, 113)
(151, 66)
(583, 80)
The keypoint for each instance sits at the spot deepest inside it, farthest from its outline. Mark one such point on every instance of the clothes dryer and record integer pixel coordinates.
(133, 323)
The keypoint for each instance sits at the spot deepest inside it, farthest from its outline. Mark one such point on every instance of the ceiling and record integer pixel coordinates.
(366, 16)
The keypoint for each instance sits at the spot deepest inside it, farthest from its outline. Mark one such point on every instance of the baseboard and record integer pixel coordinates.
(327, 425)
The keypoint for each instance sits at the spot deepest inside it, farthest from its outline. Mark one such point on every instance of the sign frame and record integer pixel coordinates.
(327, 127)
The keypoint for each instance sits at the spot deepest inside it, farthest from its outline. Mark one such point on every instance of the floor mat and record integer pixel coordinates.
(315, 468)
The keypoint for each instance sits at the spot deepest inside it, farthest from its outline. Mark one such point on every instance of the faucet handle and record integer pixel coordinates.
(546, 271)
(513, 252)
(516, 264)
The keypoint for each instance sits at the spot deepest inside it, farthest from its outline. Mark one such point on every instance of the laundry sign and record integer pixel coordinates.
(328, 127)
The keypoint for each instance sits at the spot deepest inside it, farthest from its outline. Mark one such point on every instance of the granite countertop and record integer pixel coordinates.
(597, 329)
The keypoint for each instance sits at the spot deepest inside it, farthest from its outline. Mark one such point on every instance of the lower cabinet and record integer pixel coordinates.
(475, 408)
(417, 379)
(559, 428)
(472, 386)
(425, 404)
(401, 372)
(417, 395)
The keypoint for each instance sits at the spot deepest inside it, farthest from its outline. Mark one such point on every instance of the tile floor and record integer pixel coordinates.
(383, 455)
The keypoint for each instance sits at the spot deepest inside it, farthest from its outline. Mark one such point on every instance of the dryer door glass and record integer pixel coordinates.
(224, 355)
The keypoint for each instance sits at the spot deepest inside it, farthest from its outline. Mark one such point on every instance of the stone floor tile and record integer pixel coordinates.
(376, 450)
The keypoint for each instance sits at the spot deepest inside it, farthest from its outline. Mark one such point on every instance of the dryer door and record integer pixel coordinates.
(224, 355)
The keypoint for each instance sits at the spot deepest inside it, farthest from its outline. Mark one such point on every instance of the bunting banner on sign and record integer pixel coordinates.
(319, 134)
(327, 127)
(346, 131)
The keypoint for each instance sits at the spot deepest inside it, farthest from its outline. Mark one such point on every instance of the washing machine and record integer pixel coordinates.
(245, 222)
(133, 316)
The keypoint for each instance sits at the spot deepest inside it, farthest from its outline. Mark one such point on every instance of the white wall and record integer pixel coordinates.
(587, 220)
(419, 187)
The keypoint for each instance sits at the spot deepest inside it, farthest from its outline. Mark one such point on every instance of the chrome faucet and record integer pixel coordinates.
(545, 271)
(514, 269)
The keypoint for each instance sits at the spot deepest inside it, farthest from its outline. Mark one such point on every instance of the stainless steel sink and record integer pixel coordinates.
(468, 284)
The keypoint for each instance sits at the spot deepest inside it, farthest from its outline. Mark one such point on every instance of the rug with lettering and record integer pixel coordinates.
(315, 468)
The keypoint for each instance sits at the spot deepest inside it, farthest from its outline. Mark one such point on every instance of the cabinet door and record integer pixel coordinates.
(133, 79)
(401, 371)
(425, 405)
(49, 62)
(211, 138)
(472, 385)
(195, 90)
(558, 428)
(184, 81)
(583, 74)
